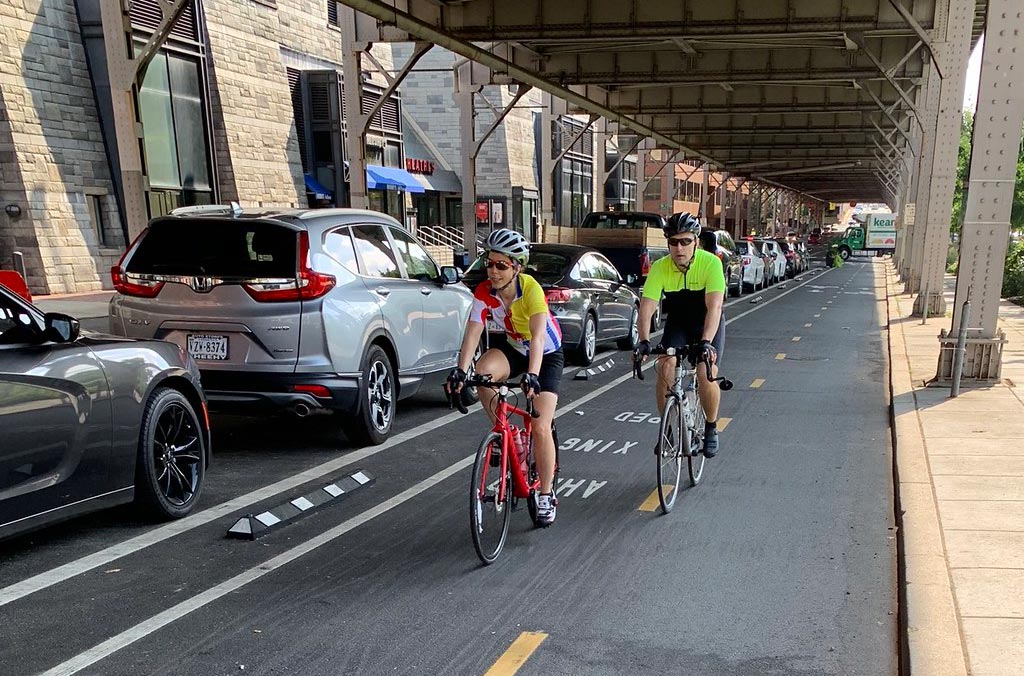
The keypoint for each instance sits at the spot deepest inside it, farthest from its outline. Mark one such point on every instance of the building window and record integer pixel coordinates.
(453, 212)
(98, 218)
(177, 150)
(332, 13)
(652, 191)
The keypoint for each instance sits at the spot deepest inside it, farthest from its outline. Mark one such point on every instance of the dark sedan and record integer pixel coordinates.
(585, 292)
(93, 421)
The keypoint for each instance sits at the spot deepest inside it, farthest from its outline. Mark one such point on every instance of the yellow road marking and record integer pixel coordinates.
(758, 382)
(723, 423)
(796, 339)
(652, 503)
(517, 653)
(780, 356)
(807, 325)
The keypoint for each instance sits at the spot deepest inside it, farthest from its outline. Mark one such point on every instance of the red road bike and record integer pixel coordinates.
(502, 473)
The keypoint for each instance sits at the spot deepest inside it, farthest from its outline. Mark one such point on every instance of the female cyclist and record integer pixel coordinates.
(533, 348)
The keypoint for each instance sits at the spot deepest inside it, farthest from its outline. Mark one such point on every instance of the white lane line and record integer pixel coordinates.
(144, 629)
(69, 570)
(157, 535)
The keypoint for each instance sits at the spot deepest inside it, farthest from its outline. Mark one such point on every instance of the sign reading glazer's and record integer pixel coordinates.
(414, 166)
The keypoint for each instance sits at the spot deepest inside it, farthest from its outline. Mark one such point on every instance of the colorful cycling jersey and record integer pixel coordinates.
(530, 300)
(684, 291)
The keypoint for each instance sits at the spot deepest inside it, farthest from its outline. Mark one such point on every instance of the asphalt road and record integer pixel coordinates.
(782, 561)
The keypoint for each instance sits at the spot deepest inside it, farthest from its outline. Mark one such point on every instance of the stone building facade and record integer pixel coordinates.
(55, 173)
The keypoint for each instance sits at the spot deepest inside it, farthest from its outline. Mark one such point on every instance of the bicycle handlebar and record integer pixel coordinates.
(485, 381)
(692, 352)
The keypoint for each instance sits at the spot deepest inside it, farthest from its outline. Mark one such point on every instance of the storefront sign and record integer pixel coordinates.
(415, 166)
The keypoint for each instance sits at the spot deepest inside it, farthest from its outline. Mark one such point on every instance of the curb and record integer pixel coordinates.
(930, 640)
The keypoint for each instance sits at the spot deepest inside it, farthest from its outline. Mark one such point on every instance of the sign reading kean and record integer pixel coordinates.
(415, 166)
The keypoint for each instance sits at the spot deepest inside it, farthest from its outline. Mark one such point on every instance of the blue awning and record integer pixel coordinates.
(379, 178)
(319, 192)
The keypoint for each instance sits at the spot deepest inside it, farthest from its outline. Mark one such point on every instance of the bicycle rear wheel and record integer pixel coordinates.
(695, 458)
(670, 457)
(489, 517)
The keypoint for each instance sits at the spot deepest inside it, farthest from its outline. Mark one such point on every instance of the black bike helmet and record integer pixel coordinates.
(682, 222)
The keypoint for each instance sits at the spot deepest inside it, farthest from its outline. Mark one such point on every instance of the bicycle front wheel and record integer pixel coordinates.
(695, 458)
(489, 513)
(670, 456)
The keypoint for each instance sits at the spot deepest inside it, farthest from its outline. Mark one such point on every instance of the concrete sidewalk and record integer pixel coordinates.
(90, 309)
(960, 465)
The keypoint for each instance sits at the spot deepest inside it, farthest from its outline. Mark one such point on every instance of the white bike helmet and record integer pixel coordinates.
(510, 243)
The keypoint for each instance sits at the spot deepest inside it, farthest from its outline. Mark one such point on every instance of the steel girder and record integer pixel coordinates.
(726, 82)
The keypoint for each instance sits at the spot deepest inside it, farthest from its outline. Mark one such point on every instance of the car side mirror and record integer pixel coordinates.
(450, 274)
(60, 328)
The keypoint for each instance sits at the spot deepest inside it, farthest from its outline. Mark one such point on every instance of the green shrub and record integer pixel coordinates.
(1013, 271)
(952, 258)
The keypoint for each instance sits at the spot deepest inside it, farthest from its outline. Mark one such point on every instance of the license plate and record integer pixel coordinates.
(208, 347)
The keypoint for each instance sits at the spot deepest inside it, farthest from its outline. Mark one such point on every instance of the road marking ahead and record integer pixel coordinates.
(517, 654)
(72, 569)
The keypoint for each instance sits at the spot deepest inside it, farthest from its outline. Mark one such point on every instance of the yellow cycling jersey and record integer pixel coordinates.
(684, 291)
(530, 300)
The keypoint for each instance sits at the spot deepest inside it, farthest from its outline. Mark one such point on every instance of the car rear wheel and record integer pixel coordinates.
(371, 424)
(633, 337)
(171, 463)
(585, 351)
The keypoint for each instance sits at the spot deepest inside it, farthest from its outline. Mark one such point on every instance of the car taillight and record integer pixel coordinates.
(306, 285)
(558, 295)
(645, 263)
(139, 286)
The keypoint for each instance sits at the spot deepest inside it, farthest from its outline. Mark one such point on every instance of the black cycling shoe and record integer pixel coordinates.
(710, 441)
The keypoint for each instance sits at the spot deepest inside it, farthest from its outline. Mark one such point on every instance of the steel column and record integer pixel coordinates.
(986, 229)
(953, 54)
(723, 190)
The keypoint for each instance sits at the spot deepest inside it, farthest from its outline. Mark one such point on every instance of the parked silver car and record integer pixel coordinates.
(313, 311)
(93, 421)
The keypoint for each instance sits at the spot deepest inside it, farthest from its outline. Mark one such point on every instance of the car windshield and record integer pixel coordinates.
(216, 247)
(612, 221)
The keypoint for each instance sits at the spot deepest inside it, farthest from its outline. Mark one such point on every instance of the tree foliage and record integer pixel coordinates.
(963, 168)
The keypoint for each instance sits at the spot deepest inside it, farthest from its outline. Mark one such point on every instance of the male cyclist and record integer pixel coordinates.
(533, 348)
(693, 284)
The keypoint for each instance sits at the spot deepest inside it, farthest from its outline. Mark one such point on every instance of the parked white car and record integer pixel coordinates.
(778, 256)
(754, 273)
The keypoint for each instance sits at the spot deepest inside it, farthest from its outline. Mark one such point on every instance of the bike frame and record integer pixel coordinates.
(521, 485)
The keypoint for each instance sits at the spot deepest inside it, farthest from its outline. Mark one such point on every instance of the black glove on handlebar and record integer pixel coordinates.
(643, 348)
(456, 379)
(530, 381)
(708, 352)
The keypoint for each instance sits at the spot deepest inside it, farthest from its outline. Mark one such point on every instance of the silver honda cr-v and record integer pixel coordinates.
(315, 311)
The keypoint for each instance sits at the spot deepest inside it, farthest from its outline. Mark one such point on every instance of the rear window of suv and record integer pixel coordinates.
(221, 248)
(612, 221)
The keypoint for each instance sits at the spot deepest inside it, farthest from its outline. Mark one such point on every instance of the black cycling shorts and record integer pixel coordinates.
(550, 375)
(679, 337)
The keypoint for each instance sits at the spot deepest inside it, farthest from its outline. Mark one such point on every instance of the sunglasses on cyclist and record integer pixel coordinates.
(501, 265)
(681, 241)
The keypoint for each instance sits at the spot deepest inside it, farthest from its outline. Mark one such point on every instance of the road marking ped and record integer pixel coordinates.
(780, 356)
(758, 382)
(61, 573)
(517, 654)
(652, 502)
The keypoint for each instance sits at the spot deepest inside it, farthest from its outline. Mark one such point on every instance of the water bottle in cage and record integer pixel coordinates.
(522, 444)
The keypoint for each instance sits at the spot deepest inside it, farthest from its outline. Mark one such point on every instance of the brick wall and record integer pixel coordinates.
(52, 156)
